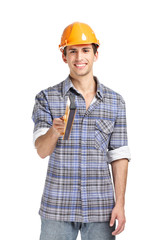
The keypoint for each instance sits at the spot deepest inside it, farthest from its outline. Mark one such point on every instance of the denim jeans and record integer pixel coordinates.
(61, 230)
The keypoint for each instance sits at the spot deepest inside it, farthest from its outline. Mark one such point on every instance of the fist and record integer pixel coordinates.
(59, 125)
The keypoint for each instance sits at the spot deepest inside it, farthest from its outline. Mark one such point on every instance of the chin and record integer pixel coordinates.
(82, 74)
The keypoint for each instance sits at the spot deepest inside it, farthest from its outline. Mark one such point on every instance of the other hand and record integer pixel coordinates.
(119, 214)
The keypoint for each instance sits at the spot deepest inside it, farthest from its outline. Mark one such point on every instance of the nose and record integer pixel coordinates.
(79, 56)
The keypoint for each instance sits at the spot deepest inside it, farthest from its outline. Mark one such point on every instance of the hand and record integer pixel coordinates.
(59, 125)
(118, 213)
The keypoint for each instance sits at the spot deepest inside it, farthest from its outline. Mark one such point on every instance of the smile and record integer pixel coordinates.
(80, 66)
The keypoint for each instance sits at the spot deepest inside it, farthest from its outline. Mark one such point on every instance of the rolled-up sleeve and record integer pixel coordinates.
(118, 144)
(41, 116)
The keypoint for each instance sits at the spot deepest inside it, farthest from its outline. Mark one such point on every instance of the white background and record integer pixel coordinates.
(129, 63)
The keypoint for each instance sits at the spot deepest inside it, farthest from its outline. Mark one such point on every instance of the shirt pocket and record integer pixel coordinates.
(103, 130)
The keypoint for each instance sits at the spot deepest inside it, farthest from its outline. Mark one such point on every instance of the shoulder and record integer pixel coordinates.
(114, 96)
(54, 90)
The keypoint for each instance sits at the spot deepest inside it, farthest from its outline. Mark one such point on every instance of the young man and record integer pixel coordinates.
(78, 193)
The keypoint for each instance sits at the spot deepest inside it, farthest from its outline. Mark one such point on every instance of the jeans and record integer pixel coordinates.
(61, 230)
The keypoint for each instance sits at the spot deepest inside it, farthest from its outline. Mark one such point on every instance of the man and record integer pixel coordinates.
(78, 193)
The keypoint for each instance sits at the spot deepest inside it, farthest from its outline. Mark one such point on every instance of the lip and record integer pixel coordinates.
(80, 65)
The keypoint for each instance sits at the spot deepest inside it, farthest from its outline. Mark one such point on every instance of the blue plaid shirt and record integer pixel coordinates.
(78, 184)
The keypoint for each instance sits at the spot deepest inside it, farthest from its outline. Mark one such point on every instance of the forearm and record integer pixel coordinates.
(119, 172)
(46, 143)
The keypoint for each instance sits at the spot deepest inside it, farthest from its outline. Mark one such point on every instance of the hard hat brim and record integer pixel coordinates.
(77, 43)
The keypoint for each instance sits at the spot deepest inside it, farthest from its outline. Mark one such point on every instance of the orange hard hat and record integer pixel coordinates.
(77, 33)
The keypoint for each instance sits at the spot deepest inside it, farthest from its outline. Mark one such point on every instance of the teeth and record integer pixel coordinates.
(80, 65)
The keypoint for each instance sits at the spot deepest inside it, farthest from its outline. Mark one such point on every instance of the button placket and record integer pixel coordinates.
(83, 168)
(84, 123)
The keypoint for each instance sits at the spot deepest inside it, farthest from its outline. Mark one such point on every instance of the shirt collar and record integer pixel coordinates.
(100, 90)
(67, 84)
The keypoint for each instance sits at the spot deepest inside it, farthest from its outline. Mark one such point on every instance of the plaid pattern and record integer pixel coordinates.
(78, 184)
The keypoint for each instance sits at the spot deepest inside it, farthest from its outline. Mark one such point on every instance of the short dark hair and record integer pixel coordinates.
(94, 46)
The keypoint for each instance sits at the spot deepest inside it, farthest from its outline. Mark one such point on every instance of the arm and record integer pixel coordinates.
(118, 157)
(119, 172)
(46, 143)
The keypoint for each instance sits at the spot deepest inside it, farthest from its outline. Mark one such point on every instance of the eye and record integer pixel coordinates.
(86, 50)
(72, 51)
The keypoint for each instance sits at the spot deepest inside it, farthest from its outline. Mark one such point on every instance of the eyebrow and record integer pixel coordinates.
(71, 49)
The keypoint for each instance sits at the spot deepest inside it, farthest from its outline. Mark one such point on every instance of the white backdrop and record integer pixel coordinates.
(129, 63)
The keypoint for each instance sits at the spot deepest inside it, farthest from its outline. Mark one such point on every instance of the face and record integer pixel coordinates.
(80, 59)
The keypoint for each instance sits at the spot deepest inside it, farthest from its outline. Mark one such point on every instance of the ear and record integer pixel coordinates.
(96, 57)
(64, 58)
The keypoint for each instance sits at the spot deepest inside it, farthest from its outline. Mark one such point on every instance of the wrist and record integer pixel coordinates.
(54, 133)
(120, 202)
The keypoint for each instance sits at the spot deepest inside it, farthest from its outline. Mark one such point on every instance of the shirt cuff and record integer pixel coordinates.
(119, 153)
(38, 133)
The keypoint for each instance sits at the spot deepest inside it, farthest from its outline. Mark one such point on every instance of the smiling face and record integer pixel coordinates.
(80, 59)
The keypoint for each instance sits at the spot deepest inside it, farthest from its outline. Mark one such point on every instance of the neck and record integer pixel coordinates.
(84, 84)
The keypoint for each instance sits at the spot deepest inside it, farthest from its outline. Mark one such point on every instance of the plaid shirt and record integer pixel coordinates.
(78, 184)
